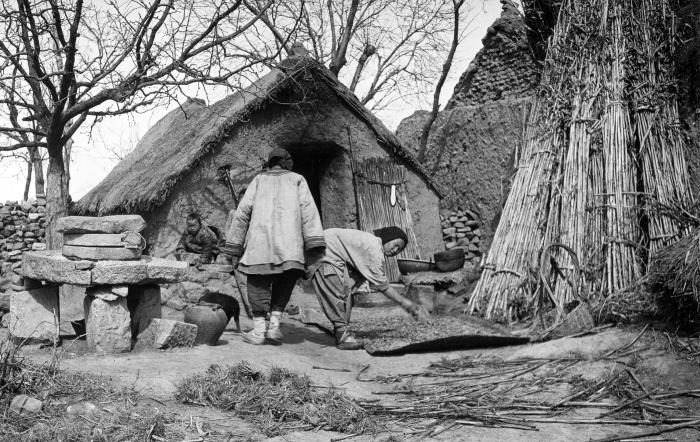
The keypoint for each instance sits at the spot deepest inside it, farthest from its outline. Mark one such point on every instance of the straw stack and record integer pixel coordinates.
(601, 148)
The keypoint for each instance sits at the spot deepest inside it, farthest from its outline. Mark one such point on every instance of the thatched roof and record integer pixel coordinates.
(175, 145)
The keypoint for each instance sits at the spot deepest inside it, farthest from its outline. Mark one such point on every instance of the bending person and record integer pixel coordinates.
(278, 221)
(351, 258)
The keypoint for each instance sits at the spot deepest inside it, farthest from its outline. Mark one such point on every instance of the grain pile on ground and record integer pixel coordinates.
(401, 334)
(602, 146)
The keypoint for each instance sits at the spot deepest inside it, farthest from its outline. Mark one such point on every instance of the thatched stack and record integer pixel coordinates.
(602, 147)
(460, 229)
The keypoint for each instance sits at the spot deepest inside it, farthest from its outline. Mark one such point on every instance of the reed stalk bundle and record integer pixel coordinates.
(601, 147)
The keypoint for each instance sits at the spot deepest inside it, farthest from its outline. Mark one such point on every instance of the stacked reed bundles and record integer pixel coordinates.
(674, 276)
(589, 170)
(661, 143)
(623, 232)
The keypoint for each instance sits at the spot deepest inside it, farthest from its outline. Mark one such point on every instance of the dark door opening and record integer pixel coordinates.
(312, 162)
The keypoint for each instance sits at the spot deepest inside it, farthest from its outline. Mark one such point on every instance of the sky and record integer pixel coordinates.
(97, 151)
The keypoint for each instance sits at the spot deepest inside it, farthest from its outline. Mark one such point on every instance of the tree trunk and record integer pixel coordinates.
(28, 182)
(56, 197)
(35, 157)
(67, 150)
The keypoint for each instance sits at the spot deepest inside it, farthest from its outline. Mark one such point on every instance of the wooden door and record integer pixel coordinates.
(375, 180)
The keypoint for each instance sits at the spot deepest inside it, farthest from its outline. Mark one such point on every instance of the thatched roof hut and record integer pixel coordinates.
(300, 106)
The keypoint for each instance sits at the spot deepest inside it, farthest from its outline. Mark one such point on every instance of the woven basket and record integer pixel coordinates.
(576, 321)
(210, 320)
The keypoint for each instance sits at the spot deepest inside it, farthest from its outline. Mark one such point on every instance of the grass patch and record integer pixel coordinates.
(276, 401)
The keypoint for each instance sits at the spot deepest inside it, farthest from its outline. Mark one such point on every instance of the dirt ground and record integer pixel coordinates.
(156, 374)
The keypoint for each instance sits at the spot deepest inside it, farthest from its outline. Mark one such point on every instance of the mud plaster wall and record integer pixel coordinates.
(471, 152)
(321, 124)
(505, 67)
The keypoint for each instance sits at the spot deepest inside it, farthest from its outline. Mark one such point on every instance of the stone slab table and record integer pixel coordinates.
(121, 297)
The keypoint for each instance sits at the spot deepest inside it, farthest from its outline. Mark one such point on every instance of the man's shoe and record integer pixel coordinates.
(348, 342)
(257, 335)
(273, 334)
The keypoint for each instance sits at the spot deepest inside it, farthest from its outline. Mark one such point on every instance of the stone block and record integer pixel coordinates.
(35, 314)
(102, 224)
(37, 246)
(101, 253)
(108, 325)
(101, 239)
(71, 301)
(168, 333)
(147, 270)
(449, 231)
(103, 292)
(52, 266)
(144, 305)
(25, 405)
(120, 290)
(16, 279)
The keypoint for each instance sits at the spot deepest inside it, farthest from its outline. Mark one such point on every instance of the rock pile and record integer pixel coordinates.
(460, 228)
(22, 228)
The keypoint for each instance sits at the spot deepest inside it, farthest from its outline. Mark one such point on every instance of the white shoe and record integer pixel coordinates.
(257, 335)
(273, 334)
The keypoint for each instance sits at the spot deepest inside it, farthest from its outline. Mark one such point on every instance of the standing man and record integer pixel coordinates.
(274, 224)
(351, 258)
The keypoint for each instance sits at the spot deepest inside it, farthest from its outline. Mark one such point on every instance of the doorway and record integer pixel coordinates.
(327, 172)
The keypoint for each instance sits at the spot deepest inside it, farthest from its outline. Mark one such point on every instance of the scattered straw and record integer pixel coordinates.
(276, 401)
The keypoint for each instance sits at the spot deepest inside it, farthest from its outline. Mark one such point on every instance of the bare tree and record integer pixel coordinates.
(32, 157)
(383, 50)
(66, 62)
(447, 65)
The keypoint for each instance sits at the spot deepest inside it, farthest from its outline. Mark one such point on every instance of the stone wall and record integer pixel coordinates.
(22, 227)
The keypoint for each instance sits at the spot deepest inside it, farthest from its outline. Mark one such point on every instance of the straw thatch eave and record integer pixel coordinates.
(175, 145)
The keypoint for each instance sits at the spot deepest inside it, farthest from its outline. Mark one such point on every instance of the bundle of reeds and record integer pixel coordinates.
(594, 161)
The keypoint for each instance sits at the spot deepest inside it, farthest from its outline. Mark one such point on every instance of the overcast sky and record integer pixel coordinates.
(94, 156)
